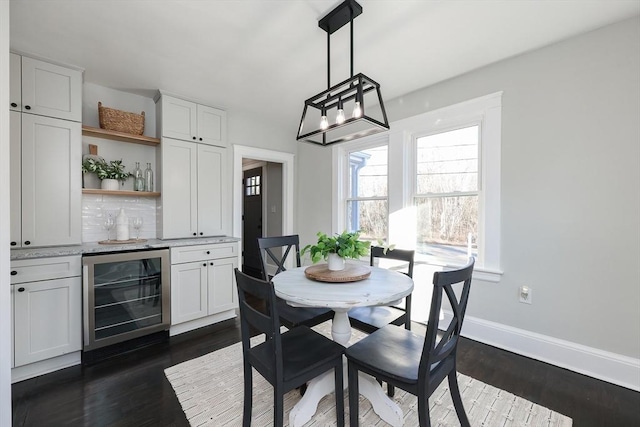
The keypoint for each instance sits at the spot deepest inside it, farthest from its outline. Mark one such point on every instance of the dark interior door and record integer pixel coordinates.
(252, 220)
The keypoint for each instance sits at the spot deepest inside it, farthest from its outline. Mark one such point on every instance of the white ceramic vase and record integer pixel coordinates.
(110, 184)
(335, 262)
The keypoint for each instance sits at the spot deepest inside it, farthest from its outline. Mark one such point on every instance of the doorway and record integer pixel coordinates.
(263, 208)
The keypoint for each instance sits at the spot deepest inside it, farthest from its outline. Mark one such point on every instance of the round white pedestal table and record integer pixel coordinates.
(382, 287)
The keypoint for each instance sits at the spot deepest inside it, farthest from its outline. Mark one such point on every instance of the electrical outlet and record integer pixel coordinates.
(525, 294)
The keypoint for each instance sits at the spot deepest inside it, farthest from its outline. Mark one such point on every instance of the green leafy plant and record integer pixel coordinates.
(112, 170)
(346, 245)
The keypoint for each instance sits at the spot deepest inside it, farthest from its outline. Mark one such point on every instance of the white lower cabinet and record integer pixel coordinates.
(47, 319)
(46, 296)
(203, 291)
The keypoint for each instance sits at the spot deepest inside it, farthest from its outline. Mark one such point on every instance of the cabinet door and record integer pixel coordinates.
(179, 189)
(212, 190)
(48, 321)
(222, 285)
(51, 181)
(15, 178)
(178, 118)
(15, 77)
(188, 291)
(212, 126)
(50, 90)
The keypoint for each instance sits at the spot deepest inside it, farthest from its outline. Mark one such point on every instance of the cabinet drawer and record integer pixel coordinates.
(203, 252)
(31, 270)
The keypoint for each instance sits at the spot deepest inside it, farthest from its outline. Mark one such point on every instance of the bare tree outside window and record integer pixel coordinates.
(447, 193)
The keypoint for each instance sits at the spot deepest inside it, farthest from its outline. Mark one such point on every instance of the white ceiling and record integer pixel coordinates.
(266, 57)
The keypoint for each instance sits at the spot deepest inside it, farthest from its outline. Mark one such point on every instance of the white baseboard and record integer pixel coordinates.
(181, 328)
(603, 365)
(42, 367)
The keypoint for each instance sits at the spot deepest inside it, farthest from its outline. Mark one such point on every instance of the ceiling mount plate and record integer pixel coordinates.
(340, 16)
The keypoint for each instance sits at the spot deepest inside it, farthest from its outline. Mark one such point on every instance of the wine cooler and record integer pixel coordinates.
(126, 296)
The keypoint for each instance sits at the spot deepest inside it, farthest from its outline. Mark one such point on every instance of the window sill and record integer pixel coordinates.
(487, 275)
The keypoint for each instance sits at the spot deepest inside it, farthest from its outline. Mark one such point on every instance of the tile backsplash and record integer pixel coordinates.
(95, 208)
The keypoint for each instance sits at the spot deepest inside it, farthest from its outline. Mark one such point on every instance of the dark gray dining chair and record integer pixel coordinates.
(277, 250)
(287, 360)
(370, 319)
(413, 363)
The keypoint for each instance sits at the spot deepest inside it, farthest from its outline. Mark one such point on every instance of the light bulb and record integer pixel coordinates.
(340, 116)
(324, 123)
(357, 111)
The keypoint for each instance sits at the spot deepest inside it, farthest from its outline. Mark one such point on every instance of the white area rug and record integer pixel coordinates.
(209, 389)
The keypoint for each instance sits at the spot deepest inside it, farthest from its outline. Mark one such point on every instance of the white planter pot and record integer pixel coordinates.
(335, 262)
(90, 180)
(110, 184)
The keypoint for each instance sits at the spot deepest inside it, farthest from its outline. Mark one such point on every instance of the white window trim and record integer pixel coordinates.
(340, 181)
(486, 110)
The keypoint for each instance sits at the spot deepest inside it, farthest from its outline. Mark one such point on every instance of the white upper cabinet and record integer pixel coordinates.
(212, 191)
(15, 180)
(51, 182)
(212, 126)
(194, 190)
(179, 207)
(189, 121)
(15, 78)
(45, 89)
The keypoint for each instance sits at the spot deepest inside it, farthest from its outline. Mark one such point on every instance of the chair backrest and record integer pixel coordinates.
(266, 246)
(396, 254)
(446, 347)
(266, 322)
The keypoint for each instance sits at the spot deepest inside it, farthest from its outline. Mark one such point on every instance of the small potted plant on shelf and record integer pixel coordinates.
(111, 174)
(335, 249)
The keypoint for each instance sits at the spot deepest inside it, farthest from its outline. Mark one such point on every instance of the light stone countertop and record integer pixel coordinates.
(96, 248)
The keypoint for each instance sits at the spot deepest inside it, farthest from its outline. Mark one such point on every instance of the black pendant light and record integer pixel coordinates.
(340, 113)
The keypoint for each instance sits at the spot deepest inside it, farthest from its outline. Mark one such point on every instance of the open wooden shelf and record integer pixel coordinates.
(119, 136)
(120, 192)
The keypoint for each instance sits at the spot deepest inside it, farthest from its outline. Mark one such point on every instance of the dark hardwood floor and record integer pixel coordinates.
(131, 389)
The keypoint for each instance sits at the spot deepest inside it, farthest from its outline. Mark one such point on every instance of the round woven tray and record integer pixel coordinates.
(351, 273)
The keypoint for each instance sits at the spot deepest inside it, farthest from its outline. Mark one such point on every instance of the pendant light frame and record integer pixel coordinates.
(352, 89)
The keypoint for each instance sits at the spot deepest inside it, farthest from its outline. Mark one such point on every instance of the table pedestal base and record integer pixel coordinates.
(319, 387)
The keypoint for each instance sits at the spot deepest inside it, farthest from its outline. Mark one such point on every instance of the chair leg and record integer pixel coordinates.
(423, 410)
(278, 406)
(391, 390)
(354, 395)
(457, 399)
(339, 393)
(303, 389)
(248, 395)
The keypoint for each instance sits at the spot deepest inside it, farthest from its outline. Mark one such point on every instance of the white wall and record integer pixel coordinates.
(570, 187)
(5, 307)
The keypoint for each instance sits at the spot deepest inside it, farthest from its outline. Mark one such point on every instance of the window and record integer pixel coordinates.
(252, 186)
(446, 196)
(366, 203)
(431, 183)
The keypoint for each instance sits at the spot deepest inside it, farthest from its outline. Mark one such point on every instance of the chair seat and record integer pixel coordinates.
(392, 350)
(303, 351)
(370, 319)
(296, 316)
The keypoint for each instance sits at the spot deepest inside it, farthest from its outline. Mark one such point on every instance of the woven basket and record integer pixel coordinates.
(120, 121)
